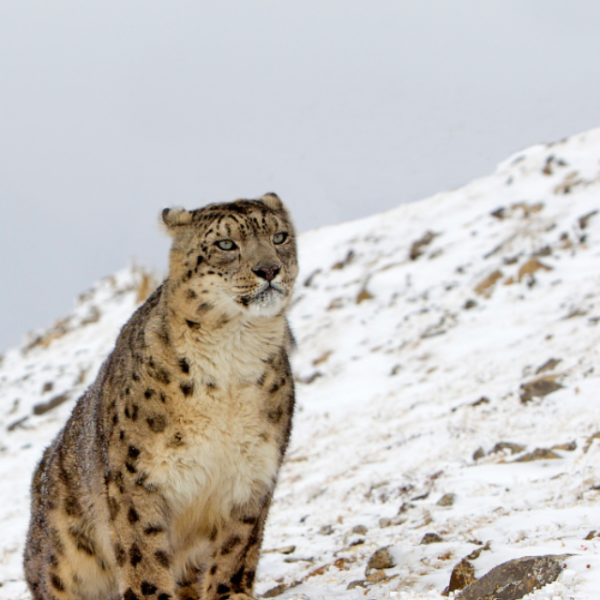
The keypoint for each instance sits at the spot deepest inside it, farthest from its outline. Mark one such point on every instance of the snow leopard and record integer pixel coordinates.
(159, 485)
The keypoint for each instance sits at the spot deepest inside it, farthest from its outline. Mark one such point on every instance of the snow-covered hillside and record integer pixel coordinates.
(447, 385)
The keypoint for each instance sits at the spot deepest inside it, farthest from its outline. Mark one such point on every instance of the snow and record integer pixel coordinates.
(398, 385)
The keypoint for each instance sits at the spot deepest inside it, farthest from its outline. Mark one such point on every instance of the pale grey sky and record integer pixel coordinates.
(111, 110)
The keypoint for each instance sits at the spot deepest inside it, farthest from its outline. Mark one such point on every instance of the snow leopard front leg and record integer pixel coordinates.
(236, 548)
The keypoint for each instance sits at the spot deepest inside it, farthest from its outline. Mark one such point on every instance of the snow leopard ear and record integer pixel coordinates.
(272, 201)
(175, 217)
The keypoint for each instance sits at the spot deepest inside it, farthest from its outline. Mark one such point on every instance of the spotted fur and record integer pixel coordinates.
(160, 483)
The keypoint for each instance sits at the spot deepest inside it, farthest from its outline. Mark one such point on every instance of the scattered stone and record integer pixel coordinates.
(326, 530)
(576, 312)
(44, 407)
(364, 294)
(538, 388)
(310, 378)
(462, 575)
(417, 247)
(47, 387)
(475, 554)
(591, 535)
(275, 591)
(469, 304)
(376, 577)
(545, 251)
(360, 529)
(528, 209)
(421, 496)
(538, 454)
(510, 446)
(590, 440)
(406, 506)
(309, 279)
(499, 213)
(431, 538)
(344, 263)
(583, 221)
(511, 260)
(530, 267)
(447, 500)
(322, 358)
(565, 242)
(569, 447)
(336, 303)
(395, 370)
(549, 365)
(94, 314)
(18, 423)
(514, 579)
(356, 583)
(482, 400)
(286, 549)
(296, 559)
(385, 522)
(381, 559)
(356, 542)
(479, 453)
(485, 287)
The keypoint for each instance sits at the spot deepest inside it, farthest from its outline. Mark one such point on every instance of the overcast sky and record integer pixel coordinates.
(112, 110)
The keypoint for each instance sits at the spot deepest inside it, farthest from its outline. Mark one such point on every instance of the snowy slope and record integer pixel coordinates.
(426, 336)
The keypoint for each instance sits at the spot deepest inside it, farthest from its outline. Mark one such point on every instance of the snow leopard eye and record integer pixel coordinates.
(280, 237)
(226, 244)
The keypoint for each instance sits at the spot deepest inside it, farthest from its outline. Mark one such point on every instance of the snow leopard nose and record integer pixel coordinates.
(268, 273)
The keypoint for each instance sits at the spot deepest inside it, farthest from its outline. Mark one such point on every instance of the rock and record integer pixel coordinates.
(462, 575)
(482, 400)
(479, 453)
(381, 559)
(591, 535)
(406, 506)
(569, 447)
(530, 267)
(545, 251)
(417, 247)
(514, 579)
(538, 454)
(344, 263)
(43, 407)
(385, 522)
(275, 591)
(538, 388)
(310, 378)
(308, 281)
(548, 365)
(356, 583)
(446, 500)
(322, 358)
(364, 294)
(431, 538)
(510, 446)
(590, 441)
(286, 549)
(326, 530)
(376, 577)
(475, 554)
(18, 423)
(485, 287)
(469, 304)
(360, 529)
(583, 221)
